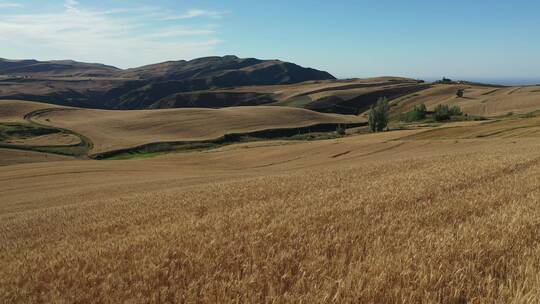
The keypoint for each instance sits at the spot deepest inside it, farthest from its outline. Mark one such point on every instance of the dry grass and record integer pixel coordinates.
(13, 157)
(53, 184)
(14, 110)
(507, 128)
(112, 130)
(479, 100)
(449, 225)
(55, 139)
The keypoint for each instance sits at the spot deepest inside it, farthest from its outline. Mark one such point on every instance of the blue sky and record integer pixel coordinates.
(461, 39)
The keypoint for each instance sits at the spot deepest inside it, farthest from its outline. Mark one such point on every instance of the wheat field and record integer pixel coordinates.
(458, 223)
(13, 111)
(433, 214)
(480, 100)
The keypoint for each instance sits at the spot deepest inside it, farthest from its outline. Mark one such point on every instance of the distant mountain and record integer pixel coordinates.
(101, 86)
(169, 78)
(57, 68)
(228, 71)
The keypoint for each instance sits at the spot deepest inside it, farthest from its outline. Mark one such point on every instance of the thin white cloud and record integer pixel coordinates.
(194, 13)
(71, 6)
(179, 32)
(125, 37)
(4, 4)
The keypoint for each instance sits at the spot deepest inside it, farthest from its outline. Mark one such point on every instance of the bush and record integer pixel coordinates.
(379, 115)
(417, 113)
(340, 130)
(455, 111)
(444, 112)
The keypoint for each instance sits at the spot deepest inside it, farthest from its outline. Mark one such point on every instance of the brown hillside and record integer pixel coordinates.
(112, 130)
(478, 100)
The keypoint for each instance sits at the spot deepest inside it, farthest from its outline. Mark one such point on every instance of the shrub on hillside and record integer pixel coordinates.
(340, 130)
(418, 112)
(444, 112)
(455, 111)
(379, 115)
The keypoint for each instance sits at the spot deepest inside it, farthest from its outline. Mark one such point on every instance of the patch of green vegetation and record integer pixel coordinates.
(158, 149)
(13, 131)
(136, 155)
(314, 136)
(530, 114)
(444, 112)
(74, 150)
(418, 113)
(341, 130)
(154, 150)
(307, 133)
(379, 115)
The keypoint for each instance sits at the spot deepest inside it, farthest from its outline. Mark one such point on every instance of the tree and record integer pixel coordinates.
(460, 93)
(379, 115)
(446, 80)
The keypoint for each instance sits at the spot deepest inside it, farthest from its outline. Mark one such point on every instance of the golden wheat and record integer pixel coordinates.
(433, 229)
(431, 215)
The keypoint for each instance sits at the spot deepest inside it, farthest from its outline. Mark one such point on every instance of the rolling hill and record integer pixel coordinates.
(109, 130)
(482, 100)
(229, 81)
(99, 86)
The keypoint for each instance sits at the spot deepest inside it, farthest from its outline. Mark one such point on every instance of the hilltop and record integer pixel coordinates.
(54, 68)
(99, 86)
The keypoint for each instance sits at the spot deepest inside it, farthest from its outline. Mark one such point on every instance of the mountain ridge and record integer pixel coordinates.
(171, 68)
(93, 85)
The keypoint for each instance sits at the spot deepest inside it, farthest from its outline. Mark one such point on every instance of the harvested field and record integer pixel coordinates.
(13, 111)
(13, 157)
(56, 139)
(113, 130)
(508, 128)
(478, 100)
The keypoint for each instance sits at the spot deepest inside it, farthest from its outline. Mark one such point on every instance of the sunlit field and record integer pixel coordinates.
(449, 221)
